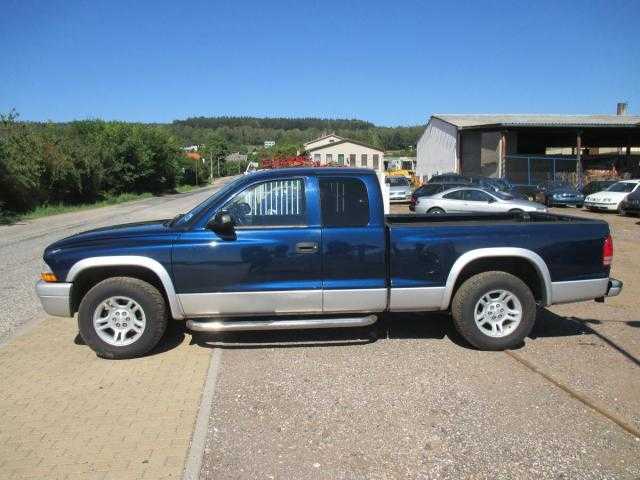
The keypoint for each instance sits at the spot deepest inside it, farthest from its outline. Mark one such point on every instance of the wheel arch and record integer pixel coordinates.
(521, 262)
(85, 273)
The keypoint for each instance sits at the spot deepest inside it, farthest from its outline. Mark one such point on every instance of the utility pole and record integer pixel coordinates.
(211, 168)
(197, 160)
(218, 167)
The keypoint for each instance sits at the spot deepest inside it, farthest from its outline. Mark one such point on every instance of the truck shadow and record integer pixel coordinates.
(398, 326)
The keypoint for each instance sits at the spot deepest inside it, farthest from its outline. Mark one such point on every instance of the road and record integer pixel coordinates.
(22, 244)
(411, 401)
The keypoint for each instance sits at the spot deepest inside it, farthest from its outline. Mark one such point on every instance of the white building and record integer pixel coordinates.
(334, 150)
(269, 143)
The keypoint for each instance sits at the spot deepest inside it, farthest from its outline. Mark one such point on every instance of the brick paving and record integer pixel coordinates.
(68, 414)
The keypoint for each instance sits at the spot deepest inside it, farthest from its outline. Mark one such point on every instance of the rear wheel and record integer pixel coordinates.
(494, 310)
(122, 317)
(436, 211)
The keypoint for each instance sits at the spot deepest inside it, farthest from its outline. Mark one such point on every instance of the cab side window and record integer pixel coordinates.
(277, 203)
(344, 202)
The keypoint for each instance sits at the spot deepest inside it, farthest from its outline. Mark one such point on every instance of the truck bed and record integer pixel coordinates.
(423, 248)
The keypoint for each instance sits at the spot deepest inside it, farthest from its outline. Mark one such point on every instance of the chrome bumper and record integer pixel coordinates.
(614, 288)
(55, 298)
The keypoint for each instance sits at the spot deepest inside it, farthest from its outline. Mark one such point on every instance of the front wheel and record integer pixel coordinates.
(436, 211)
(122, 317)
(494, 310)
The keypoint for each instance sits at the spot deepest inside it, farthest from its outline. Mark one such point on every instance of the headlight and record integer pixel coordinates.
(47, 274)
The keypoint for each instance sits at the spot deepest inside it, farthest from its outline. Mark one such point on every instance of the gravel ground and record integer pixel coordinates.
(22, 244)
(419, 403)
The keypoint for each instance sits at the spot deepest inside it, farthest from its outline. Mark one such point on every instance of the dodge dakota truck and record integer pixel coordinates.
(312, 248)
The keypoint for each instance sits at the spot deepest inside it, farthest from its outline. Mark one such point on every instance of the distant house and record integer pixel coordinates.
(334, 150)
(236, 157)
(269, 143)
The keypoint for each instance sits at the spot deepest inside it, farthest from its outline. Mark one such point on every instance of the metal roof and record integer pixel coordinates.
(463, 121)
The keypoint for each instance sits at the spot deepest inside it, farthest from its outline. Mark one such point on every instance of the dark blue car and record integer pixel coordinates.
(555, 194)
(312, 248)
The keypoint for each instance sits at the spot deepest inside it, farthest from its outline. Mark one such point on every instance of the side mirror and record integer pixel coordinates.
(222, 223)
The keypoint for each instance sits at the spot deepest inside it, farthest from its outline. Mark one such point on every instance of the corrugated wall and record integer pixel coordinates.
(437, 149)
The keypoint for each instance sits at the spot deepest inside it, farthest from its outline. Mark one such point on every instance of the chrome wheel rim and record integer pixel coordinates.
(498, 313)
(119, 321)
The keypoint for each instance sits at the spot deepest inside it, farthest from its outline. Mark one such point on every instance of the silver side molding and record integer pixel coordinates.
(224, 304)
(354, 300)
(302, 324)
(135, 261)
(415, 299)
(579, 290)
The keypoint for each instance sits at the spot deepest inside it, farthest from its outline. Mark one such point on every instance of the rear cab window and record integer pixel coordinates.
(344, 202)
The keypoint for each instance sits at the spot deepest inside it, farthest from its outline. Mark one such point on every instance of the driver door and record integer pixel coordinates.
(272, 265)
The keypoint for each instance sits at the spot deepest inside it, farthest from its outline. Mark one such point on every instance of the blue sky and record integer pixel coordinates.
(392, 62)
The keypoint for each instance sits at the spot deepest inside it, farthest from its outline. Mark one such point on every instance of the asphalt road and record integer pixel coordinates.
(411, 401)
(22, 244)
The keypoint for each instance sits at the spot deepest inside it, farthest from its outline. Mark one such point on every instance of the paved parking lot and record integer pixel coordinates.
(414, 403)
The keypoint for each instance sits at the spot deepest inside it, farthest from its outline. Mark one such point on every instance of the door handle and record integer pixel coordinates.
(306, 247)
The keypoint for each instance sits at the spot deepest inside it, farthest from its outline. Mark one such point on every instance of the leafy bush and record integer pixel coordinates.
(82, 162)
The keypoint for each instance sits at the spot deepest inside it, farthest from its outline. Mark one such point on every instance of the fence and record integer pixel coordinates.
(535, 169)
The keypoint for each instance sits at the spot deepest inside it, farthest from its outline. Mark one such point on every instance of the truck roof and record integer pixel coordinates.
(278, 172)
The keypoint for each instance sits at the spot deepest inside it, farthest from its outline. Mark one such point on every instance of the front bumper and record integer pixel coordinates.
(55, 298)
(400, 198)
(611, 207)
(565, 201)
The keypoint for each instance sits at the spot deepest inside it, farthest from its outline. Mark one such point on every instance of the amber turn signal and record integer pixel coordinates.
(48, 277)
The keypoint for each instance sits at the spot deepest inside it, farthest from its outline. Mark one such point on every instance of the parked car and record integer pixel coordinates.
(448, 178)
(399, 189)
(554, 194)
(597, 186)
(497, 185)
(429, 189)
(610, 199)
(461, 200)
(319, 253)
(631, 204)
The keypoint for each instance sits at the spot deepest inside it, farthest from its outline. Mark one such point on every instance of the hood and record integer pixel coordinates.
(126, 230)
(560, 190)
(615, 196)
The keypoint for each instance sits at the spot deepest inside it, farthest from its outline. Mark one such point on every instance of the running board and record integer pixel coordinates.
(298, 324)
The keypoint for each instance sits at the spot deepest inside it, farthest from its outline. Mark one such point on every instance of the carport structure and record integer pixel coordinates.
(529, 149)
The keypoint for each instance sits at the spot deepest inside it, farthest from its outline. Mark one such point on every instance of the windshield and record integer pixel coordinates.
(183, 219)
(622, 187)
(398, 181)
(502, 195)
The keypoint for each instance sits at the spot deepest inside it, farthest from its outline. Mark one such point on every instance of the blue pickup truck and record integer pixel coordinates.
(312, 248)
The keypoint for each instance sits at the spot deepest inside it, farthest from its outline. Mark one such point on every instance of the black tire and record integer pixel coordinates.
(470, 293)
(147, 297)
(436, 211)
(578, 205)
(516, 210)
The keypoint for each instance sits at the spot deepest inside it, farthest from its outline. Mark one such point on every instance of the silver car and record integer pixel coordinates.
(466, 200)
(399, 189)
